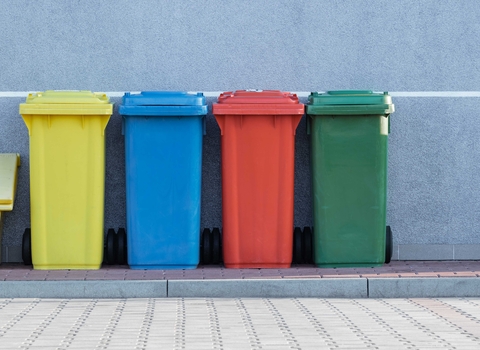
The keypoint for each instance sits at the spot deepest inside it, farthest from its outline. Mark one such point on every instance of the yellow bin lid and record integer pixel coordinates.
(67, 103)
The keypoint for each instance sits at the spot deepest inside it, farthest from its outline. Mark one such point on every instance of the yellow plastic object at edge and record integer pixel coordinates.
(8, 179)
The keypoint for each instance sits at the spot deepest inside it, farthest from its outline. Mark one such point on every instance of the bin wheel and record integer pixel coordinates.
(206, 247)
(307, 245)
(110, 247)
(388, 245)
(27, 247)
(297, 246)
(216, 240)
(121, 247)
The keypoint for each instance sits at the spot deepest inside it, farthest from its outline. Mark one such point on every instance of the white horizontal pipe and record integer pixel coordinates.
(298, 93)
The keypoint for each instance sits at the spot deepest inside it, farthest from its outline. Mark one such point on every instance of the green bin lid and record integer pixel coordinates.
(67, 103)
(349, 102)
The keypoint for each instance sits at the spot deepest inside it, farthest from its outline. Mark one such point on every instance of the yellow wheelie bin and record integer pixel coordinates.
(67, 178)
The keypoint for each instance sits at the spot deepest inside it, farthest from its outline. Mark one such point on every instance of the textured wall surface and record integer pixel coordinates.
(434, 171)
(214, 45)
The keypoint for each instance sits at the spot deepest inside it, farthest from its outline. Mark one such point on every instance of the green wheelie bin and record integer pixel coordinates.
(349, 133)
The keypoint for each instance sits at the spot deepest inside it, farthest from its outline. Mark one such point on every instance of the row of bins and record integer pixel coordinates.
(163, 155)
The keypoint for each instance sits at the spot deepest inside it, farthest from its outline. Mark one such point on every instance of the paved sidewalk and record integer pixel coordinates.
(398, 279)
(396, 269)
(207, 323)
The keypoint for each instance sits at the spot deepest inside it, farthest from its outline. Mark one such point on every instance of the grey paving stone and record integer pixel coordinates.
(466, 251)
(425, 252)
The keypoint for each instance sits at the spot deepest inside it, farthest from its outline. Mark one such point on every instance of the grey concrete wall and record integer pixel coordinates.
(434, 174)
(214, 45)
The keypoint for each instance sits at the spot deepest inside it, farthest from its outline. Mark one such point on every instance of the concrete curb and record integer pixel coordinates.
(264, 288)
(83, 289)
(247, 288)
(423, 287)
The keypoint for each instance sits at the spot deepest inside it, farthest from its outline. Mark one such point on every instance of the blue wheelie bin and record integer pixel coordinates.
(163, 156)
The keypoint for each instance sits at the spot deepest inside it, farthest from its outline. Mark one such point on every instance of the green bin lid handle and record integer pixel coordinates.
(350, 92)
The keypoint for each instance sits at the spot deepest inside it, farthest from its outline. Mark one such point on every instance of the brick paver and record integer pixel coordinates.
(396, 269)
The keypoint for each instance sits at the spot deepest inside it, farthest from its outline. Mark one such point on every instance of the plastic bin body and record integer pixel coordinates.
(349, 132)
(67, 177)
(258, 146)
(163, 155)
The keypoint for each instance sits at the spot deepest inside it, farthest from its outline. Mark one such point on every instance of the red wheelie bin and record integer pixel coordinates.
(258, 147)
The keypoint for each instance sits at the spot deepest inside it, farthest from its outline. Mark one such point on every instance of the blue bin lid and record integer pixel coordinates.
(163, 103)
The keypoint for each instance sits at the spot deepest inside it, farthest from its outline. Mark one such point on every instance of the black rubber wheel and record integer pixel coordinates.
(216, 246)
(388, 245)
(27, 247)
(206, 248)
(307, 245)
(110, 243)
(297, 246)
(121, 247)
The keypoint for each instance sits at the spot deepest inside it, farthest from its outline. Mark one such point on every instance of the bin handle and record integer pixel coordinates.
(105, 119)
(27, 119)
(28, 122)
(295, 121)
(221, 122)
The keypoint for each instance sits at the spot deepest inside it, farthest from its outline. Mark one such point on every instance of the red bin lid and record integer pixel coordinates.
(258, 102)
